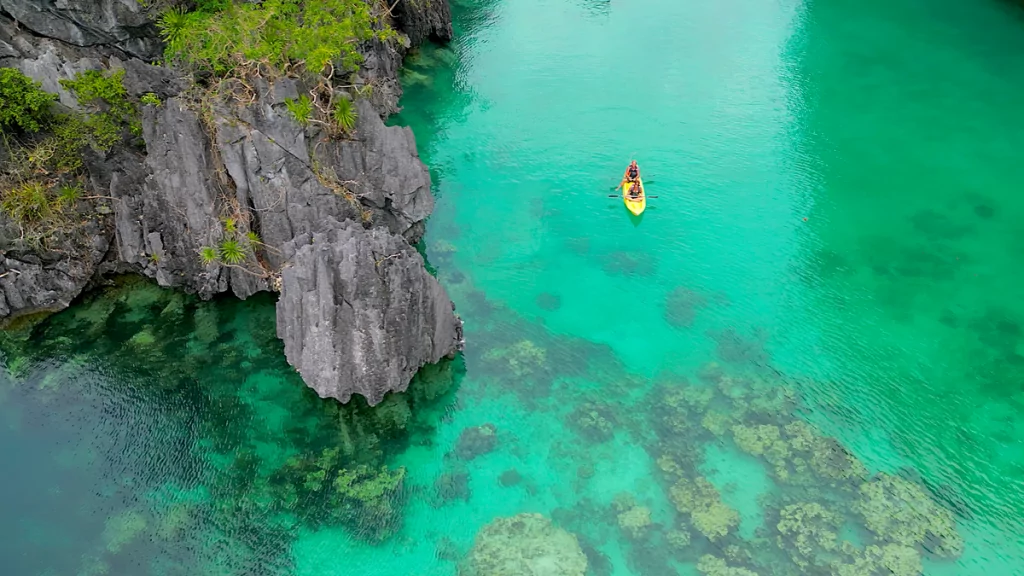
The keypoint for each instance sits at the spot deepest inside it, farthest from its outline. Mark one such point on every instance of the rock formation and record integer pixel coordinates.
(356, 306)
(358, 311)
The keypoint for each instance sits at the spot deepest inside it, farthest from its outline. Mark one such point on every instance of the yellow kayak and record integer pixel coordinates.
(635, 206)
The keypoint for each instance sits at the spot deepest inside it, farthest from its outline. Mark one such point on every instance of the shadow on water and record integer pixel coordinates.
(635, 219)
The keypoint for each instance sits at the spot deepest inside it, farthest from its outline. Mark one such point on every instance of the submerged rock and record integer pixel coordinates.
(476, 441)
(681, 306)
(451, 486)
(525, 544)
(510, 477)
(548, 301)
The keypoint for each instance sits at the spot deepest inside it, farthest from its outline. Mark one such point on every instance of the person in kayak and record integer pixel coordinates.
(633, 172)
(634, 192)
(632, 176)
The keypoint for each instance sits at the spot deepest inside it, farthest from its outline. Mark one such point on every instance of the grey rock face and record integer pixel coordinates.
(292, 181)
(425, 20)
(385, 171)
(36, 279)
(359, 313)
(381, 63)
(266, 155)
(176, 212)
(46, 61)
(125, 24)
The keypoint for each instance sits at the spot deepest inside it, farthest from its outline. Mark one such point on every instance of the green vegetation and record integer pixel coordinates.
(232, 252)
(235, 248)
(277, 37)
(108, 100)
(301, 109)
(150, 99)
(28, 202)
(344, 114)
(69, 193)
(207, 255)
(41, 180)
(24, 105)
(315, 41)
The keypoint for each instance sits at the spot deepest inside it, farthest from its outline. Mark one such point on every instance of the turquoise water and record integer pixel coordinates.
(836, 229)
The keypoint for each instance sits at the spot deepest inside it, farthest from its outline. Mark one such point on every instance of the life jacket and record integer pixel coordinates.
(633, 171)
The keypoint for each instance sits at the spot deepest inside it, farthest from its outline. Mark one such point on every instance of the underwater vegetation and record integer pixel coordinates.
(264, 459)
(260, 456)
(825, 513)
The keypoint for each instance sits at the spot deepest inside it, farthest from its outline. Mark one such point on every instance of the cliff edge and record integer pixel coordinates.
(229, 190)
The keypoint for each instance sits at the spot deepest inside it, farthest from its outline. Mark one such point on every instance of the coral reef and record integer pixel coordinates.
(634, 520)
(701, 501)
(887, 560)
(807, 530)
(525, 544)
(451, 486)
(899, 511)
(522, 359)
(509, 478)
(709, 565)
(122, 529)
(821, 491)
(593, 421)
(476, 441)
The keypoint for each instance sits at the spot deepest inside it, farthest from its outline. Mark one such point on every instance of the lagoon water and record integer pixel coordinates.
(838, 216)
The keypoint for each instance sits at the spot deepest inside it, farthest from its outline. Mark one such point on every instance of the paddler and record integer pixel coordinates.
(633, 176)
(632, 173)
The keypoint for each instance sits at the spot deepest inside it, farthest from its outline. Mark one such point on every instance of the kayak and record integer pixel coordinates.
(634, 206)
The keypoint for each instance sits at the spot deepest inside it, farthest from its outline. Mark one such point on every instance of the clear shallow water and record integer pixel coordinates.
(148, 439)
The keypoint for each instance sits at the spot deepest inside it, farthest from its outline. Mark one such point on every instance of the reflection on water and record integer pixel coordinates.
(724, 388)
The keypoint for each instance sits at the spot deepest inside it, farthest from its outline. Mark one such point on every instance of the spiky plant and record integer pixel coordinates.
(344, 114)
(232, 252)
(301, 109)
(207, 255)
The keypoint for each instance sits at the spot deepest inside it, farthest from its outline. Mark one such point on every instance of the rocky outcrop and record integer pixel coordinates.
(425, 20)
(333, 219)
(44, 280)
(125, 24)
(359, 313)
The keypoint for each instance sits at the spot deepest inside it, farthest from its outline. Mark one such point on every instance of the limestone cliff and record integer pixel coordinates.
(334, 216)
